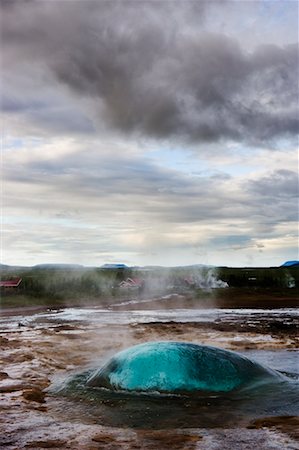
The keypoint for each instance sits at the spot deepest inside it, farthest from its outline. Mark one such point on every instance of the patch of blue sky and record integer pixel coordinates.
(232, 240)
(236, 170)
(273, 20)
(36, 141)
(177, 159)
(186, 162)
(245, 160)
(276, 10)
(61, 221)
(13, 144)
(242, 160)
(18, 143)
(286, 143)
(280, 14)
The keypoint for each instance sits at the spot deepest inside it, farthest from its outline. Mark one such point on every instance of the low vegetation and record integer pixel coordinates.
(65, 286)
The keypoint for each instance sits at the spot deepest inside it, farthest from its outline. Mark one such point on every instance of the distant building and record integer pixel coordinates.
(290, 263)
(132, 283)
(189, 281)
(10, 284)
(114, 266)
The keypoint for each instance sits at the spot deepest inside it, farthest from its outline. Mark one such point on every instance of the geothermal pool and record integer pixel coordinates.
(47, 357)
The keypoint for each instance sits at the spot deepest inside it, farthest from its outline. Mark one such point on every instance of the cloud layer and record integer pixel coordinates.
(154, 69)
(150, 131)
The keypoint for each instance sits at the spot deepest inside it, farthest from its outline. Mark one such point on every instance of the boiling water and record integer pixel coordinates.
(87, 404)
(120, 408)
(179, 367)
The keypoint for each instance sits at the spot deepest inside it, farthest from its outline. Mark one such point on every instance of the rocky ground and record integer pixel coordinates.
(33, 357)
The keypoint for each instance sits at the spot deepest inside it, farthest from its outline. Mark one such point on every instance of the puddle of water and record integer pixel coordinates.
(98, 316)
(281, 360)
(137, 410)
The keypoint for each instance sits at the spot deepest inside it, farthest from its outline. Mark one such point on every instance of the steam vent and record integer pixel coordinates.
(178, 367)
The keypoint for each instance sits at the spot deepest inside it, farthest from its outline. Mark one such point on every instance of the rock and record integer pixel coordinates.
(3, 375)
(104, 439)
(51, 443)
(286, 424)
(13, 386)
(3, 341)
(34, 395)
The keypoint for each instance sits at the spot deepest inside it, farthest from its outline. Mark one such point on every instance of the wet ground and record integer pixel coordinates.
(43, 349)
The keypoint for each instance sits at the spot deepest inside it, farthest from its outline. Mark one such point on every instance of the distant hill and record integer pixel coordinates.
(58, 266)
(290, 263)
(7, 267)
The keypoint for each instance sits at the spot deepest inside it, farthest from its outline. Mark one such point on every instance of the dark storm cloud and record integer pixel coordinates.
(152, 68)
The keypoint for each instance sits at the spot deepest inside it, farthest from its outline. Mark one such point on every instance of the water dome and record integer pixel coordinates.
(177, 367)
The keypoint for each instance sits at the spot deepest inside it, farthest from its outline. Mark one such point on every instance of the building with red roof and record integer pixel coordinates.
(13, 283)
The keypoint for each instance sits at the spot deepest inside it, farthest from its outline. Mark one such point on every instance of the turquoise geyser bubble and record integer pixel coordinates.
(178, 367)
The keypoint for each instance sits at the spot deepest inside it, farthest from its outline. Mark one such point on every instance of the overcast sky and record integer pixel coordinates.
(149, 132)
